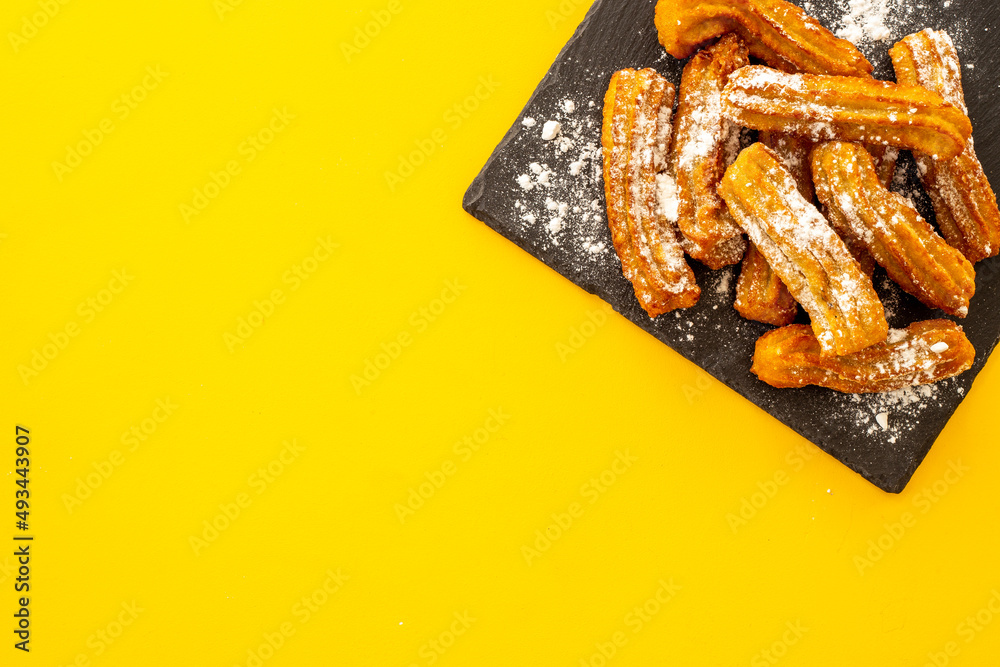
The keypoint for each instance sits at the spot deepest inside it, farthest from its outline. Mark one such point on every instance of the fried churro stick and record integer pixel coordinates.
(826, 108)
(902, 242)
(635, 135)
(964, 203)
(776, 31)
(805, 252)
(704, 145)
(760, 294)
(923, 353)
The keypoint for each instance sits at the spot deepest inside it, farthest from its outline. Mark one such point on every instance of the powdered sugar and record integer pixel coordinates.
(666, 194)
(555, 187)
(866, 20)
(551, 130)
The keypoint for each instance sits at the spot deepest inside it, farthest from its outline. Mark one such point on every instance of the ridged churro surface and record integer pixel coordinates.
(778, 32)
(635, 136)
(805, 251)
(890, 229)
(827, 108)
(923, 353)
(964, 203)
(705, 144)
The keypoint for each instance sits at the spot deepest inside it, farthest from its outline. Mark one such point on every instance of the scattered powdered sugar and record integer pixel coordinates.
(866, 20)
(540, 176)
(725, 279)
(873, 25)
(557, 187)
(896, 413)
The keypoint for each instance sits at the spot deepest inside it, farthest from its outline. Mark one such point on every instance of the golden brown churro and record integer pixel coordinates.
(923, 353)
(826, 108)
(805, 252)
(635, 133)
(704, 145)
(964, 203)
(902, 242)
(760, 294)
(776, 31)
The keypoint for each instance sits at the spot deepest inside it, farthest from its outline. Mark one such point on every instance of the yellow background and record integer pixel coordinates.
(697, 451)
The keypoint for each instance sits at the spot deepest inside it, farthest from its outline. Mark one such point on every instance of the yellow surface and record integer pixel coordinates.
(317, 556)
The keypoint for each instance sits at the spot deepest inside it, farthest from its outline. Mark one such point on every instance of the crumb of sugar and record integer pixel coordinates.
(883, 420)
(666, 195)
(866, 21)
(569, 106)
(724, 280)
(551, 130)
(529, 122)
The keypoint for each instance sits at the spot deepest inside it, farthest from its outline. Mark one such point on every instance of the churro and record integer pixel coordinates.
(635, 136)
(923, 353)
(964, 203)
(805, 252)
(826, 108)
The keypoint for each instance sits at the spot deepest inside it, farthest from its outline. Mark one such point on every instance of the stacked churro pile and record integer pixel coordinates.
(684, 184)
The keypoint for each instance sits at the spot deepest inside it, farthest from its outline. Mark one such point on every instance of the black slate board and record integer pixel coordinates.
(620, 33)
